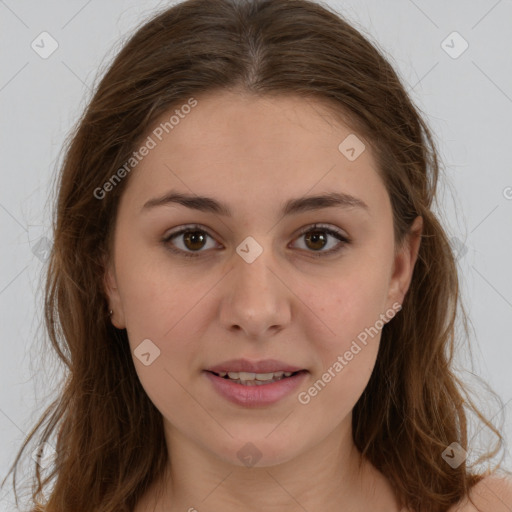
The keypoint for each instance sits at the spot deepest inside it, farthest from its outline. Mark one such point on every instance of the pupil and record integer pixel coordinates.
(315, 236)
(193, 237)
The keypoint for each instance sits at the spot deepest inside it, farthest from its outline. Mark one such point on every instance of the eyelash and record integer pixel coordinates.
(315, 227)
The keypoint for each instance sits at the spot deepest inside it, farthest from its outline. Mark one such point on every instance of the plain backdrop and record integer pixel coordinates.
(461, 81)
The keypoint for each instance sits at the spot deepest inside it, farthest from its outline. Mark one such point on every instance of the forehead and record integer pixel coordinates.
(279, 129)
(237, 147)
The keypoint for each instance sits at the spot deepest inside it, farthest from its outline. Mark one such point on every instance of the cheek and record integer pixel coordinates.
(162, 303)
(156, 295)
(344, 304)
(336, 391)
(164, 312)
(347, 355)
(346, 331)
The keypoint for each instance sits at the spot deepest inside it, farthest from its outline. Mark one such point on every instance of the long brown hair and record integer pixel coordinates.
(109, 436)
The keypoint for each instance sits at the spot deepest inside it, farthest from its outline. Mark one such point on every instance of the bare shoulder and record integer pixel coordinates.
(492, 494)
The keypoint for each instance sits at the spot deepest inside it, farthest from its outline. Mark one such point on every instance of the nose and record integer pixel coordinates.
(255, 298)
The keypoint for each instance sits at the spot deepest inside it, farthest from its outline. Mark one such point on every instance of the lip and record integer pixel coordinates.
(255, 396)
(244, 365)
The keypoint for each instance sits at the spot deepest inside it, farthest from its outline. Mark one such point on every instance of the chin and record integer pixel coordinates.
(258, 450)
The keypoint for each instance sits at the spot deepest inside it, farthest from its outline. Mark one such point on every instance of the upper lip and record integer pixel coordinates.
(244, 365)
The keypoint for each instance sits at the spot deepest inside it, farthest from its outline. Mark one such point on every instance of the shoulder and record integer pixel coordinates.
(491, 494)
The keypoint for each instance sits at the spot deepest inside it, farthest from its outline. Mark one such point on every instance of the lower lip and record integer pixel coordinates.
(254, 396)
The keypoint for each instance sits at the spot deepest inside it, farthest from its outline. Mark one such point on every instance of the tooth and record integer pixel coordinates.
(255, 383)
(246, 376)
(252, 378)
(264, 376)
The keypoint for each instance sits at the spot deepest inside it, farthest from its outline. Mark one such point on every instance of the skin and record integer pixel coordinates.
(253, 154)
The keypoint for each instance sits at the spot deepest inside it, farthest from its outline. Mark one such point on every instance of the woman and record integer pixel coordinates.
(253, 296)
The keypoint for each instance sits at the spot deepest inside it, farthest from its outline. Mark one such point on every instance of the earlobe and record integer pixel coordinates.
(113, 296)
(405, 261)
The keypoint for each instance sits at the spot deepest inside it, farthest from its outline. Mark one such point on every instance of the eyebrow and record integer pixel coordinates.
(292, 206)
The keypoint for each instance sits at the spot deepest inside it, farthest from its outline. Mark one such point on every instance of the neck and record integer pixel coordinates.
(322, 477)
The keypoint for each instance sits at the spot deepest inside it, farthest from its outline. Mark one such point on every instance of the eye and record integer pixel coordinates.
(193, 240)
(316, 238)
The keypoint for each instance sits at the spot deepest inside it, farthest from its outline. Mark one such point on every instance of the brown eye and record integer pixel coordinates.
(190, 241)
(194, 240)
(316, 240)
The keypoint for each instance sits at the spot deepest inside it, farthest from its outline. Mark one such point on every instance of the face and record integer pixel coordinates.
(270, 274)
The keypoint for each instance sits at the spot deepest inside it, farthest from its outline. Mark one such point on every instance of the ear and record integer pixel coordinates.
(114, 298)
(404, 262)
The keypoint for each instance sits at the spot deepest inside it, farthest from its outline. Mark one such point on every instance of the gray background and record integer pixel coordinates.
(466, 98)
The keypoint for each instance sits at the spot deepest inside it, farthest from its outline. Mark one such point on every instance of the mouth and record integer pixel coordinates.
(255, 379)
(251, 389)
